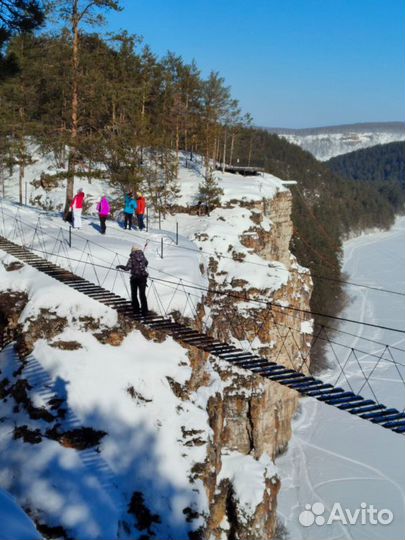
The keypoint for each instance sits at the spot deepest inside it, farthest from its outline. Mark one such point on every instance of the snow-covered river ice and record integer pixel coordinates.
(338, 462)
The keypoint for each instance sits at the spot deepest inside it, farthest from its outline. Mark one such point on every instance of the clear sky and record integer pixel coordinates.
(290, 63)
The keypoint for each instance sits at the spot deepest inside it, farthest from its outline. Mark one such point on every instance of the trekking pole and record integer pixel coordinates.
(177, 233)
(70, 236)
(147, 219)
(161, 248)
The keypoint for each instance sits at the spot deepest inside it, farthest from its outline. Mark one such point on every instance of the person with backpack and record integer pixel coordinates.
(140, 211)
(137, 264)
(103, 209)
(77, 207)
(129, 209)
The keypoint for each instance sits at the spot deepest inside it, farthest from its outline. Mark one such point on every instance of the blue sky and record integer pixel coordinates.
(290, 63)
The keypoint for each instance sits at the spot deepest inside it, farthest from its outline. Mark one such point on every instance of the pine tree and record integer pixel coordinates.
(17, 17)
(209, 193)
(76, 13)
(18, 96)
(215, 105)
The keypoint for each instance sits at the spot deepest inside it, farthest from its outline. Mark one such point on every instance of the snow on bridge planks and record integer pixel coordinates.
(306, 385)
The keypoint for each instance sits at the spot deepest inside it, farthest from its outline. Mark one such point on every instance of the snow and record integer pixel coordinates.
(235, 187)
(46, 294)
(248, 477)
(333, 456)
(307, 327)
(14, 522)
(95, 258)
(220, 237)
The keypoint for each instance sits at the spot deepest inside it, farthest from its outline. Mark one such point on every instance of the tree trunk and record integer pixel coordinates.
(21, 180)
(250, 150)
(75, 105)
(207, 152)
(21, 144)
(217, 150)
(224, 154)
(232, 147)
(142, 123)
(177, 148)
(185, 125)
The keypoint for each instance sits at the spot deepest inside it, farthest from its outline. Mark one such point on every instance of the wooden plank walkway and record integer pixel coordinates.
(240, 169)
(306, 385)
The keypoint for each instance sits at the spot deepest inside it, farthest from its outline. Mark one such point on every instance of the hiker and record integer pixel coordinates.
(137, 264)
(77, 207)
(103, 209)
(130, 206)
(140, 211)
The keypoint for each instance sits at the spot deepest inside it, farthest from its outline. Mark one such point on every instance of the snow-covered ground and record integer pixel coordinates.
(334, 457)
(14, 523)
(95, 257)
(199, 237)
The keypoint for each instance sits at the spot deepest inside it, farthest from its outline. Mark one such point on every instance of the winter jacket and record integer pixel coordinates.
(77, 202)
(141, 206)
(130, 205)
(137, 264)
(103, 207)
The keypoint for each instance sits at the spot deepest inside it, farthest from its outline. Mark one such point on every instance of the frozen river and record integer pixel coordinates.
(337, 460)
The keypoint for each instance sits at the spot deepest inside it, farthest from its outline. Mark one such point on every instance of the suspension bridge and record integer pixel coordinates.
(19, 240)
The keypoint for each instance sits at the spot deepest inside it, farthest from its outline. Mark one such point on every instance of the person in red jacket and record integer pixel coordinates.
(140, 211)
(77, 208)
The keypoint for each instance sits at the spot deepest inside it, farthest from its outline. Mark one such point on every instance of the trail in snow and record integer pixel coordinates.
(334, 457)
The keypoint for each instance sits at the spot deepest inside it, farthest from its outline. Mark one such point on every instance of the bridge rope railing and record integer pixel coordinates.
(170, 235)
(84, 260)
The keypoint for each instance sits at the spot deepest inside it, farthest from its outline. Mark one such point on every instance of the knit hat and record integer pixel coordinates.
(136, 247)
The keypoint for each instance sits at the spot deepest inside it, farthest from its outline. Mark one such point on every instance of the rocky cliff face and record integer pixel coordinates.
(252, 416)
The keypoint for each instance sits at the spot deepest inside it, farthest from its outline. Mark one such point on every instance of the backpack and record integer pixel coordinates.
(138, 264)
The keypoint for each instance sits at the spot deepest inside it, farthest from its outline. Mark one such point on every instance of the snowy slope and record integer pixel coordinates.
(14, 522)
(325, 143)
(144, 449)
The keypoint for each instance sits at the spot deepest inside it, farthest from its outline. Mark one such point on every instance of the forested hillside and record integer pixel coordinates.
(326, 208)
(383, 164)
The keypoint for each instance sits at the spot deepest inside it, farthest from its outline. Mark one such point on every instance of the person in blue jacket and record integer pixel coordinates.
(130, 207)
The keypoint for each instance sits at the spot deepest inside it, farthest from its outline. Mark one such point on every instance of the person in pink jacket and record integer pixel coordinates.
(103, 209)
(77, 207)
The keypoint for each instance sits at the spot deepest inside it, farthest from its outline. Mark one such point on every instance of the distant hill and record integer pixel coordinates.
(383, 165)
(330, 141)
